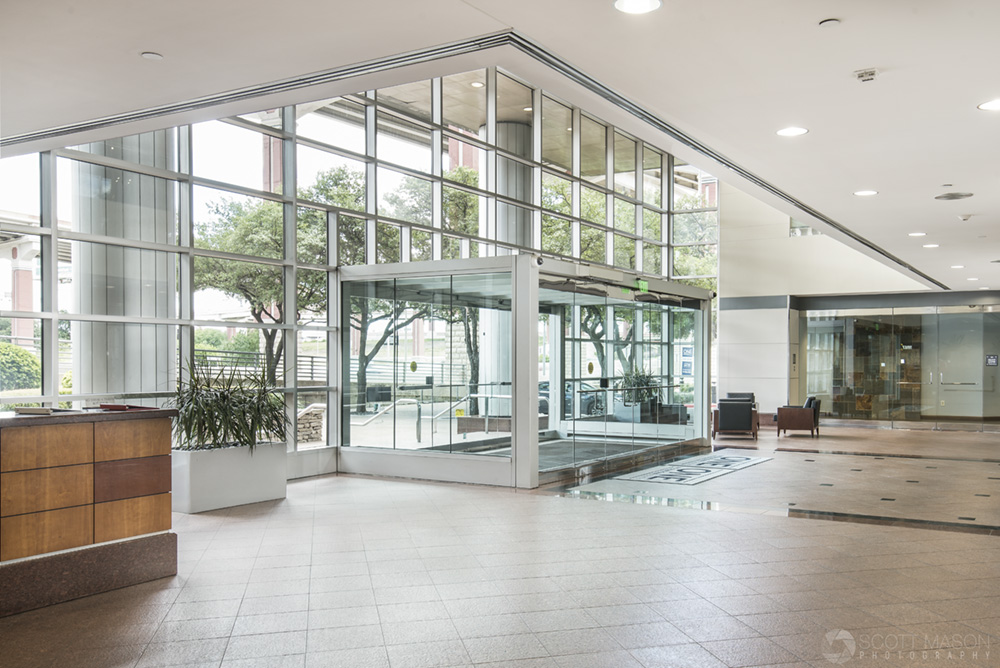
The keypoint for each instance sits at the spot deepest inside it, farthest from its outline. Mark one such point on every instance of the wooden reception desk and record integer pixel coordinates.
(84, 505)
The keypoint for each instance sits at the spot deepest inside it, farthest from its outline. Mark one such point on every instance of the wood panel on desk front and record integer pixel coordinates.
(128, 439)
(46, 489)
(127, 478)
(131, 517)
(30, 447)
(37, 533)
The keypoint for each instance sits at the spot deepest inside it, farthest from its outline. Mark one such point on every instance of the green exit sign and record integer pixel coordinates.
(641, 286)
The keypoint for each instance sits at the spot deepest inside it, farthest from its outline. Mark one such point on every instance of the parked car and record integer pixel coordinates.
(591, 398)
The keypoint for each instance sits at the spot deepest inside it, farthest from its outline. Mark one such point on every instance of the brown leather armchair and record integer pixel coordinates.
(800, 417)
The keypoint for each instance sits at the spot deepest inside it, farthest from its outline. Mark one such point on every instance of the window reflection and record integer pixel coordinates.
(464, 102)
(337, 122)
(557, 135)
(236, 155)
(514, 117)
(593, 150)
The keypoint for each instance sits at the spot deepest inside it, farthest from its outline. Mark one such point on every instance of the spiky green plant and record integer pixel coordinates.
(221, 409)
(637, 386)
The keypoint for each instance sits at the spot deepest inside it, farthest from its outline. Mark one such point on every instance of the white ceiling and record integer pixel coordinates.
(727, 72)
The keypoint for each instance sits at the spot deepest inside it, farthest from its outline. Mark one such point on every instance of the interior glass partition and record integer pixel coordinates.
(427, 363)
(931, 367)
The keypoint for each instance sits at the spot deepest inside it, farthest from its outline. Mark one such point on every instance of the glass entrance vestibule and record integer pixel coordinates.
(505, 370)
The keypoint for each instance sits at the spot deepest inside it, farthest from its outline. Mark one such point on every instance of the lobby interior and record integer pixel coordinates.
(872, 544)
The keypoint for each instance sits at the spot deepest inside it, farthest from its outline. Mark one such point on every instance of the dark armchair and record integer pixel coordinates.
(800, 417)
(735, 416)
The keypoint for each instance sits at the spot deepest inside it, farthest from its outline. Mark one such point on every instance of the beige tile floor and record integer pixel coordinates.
(960, 493)
(356, 572)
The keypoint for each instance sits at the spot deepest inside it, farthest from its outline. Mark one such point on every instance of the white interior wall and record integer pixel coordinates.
(753, 355)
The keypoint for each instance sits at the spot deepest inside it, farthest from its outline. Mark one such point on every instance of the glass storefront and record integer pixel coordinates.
(914, 367)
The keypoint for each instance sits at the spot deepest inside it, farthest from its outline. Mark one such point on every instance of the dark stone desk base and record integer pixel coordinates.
(38, 582)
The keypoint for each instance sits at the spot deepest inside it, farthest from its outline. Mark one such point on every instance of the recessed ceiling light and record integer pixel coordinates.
(958, 266)
(930, 245)
(972, 279)
(151, 55)
(865, 193)
(791, 132)
(950, 196)
(984, 288)
(527, 108)
(637, 6)
(992, 105)
(477, 84)
(918, 234)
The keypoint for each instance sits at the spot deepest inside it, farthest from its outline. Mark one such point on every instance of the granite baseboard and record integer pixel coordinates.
(36, 582)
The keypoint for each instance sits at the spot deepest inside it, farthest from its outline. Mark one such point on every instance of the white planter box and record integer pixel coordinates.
(212, 479)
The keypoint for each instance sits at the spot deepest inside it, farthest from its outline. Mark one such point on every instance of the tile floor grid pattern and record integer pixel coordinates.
(365, 572)
(847, 484)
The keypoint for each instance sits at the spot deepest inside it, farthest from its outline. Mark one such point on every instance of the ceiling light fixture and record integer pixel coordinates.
(992, 105)
(527, 108)
(930, 245)
(951, 196)
(918, 234)
(972, 279)
(637, 6)
(151, 55)
(958, 266)
(791, 132)
(477, 84)
(865, 193)
(984, 288)
(829, 23)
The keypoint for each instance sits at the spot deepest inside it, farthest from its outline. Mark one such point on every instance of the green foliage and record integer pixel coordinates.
(637, 386)
(212, 339)
(460, 208)
(246, 341)
(255, 227)
(221, 409)
(411, 201)
(19, 368)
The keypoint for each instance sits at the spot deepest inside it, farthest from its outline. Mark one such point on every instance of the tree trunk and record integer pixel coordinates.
(272, 355)
(362, 380)
(471, 324)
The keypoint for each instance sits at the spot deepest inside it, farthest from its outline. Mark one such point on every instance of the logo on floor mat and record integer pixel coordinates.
(695, 470)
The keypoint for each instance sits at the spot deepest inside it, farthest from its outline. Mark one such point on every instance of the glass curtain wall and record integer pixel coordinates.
(926, 367)
(214, 245)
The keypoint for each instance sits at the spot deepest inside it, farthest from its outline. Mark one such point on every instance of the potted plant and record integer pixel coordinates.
(635, 396)
(229, 440)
